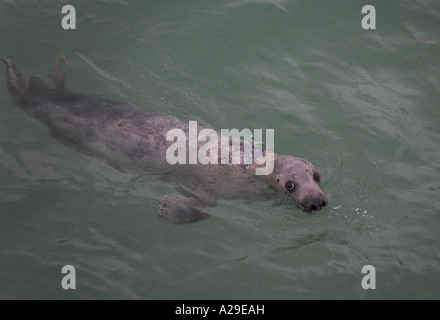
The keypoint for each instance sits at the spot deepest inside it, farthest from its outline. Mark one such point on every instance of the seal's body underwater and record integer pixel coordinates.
(131, 138)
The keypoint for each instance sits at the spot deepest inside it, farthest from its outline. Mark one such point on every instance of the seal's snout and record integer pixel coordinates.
(313, 203)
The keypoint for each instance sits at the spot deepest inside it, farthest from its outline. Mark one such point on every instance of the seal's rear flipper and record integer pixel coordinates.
(16, 85)
(180, 210)
(19, 86)
(57, 75)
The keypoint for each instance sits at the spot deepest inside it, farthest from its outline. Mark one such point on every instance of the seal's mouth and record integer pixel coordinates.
(303, 208)
(311, 207)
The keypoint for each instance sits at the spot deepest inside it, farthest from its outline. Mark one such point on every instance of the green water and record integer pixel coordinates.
(362, 105)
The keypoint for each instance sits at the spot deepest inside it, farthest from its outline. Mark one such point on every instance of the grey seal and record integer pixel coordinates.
(132, 138)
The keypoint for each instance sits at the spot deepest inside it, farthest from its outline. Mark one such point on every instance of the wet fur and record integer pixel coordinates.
(131, 138)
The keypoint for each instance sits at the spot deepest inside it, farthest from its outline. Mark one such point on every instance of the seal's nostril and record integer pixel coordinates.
(313, 207)
(323, 203)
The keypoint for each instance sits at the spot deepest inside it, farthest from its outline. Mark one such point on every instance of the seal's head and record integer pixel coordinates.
(299, 179)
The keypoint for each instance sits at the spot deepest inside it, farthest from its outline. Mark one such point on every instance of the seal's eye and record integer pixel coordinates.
(290, 186)
(316, 177)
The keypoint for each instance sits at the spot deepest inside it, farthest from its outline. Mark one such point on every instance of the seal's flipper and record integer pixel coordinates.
(16, 84)
(57, 75)
(180, 210)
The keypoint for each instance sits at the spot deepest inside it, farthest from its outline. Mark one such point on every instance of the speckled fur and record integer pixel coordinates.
(131, 137)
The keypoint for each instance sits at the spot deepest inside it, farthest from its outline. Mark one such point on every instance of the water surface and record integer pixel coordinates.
(361, 105)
